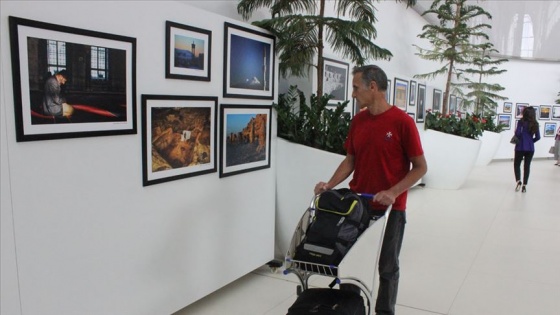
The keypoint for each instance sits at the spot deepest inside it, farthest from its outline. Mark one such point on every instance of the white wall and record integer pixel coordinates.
(85, 236)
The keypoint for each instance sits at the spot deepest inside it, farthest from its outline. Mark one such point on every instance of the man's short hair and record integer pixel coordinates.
(63, 73)
(372, 73)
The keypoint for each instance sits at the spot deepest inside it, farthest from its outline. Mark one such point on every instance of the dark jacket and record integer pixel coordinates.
(526, 139)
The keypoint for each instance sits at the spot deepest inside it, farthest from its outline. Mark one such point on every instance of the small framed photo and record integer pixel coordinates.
(555, 112)
(335, 80)
(549, 129)
(412, 94)
(400, 95)
(436, 102)
(421, 100)
(519, 108)
(188, 52)
(70, 82)
(248, 63)
(388, 92)
(178, 137)
(504, 119)
(507, 107)
(452, 104)
(545, 112)
(245, 139)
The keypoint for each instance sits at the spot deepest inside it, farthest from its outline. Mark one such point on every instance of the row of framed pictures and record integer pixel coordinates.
(179, 137)
(99, 87)
(543, 112)
(505, 119)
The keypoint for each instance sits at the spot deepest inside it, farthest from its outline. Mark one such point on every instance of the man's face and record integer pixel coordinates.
(61, 79)
(361, 91)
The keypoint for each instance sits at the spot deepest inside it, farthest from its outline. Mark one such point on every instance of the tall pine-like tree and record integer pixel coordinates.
(452, 42)
(302, 32)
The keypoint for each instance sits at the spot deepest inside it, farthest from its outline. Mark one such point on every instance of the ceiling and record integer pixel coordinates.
(520, 29)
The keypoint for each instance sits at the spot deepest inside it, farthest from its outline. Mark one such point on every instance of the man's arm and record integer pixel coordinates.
(344, 170)
(419, 168)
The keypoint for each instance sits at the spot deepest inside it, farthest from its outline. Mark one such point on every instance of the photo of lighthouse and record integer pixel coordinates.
(188, 52)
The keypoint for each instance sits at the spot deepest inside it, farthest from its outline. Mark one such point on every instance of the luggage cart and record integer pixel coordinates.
(358, 266)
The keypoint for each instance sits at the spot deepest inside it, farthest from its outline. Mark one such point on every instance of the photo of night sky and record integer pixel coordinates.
(250, 64)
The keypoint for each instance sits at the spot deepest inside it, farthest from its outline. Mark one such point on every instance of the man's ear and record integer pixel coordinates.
(373, 86)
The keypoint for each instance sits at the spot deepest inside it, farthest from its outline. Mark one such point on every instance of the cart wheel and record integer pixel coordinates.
(274, 265)
(299, 289)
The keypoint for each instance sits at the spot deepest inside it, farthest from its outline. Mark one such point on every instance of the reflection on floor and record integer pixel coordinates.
(483, 249)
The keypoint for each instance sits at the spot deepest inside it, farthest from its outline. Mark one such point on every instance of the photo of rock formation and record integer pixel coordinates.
(246, 138)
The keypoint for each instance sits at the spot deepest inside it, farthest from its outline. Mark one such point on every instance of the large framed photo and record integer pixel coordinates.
(412, 94)
(188, 52)
(555, 112)
(549, 129)
(545, 112)
(248, 63)
(400, 95)
(335, 80)
(421, 102)
(505, 120)
(436, 102)
(244, 139)
(70, 82)
(507, 107)
(178, 137)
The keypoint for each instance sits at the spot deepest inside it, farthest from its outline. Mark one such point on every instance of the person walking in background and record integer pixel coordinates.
(382, 143)
(557, 147)
(528, 133)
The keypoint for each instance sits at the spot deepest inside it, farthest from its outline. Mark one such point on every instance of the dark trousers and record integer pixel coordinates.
(527, 157)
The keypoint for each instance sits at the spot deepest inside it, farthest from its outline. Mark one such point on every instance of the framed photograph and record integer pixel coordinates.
(507, 107)
(459, 104)
(400, 95)
(71, 82)
(178, 137)
(244, 139)
(412, 93)
(519, 108)
(388, 92)
(504, 119)
(188, 52)
(248, 63)
(549, 129)
(335, 80)
(545, 112)
(555, 112)
(436, 101)
(452, 104)
(421, 103)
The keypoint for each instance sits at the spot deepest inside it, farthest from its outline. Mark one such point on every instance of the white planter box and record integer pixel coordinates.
(450, 159)
(490, 142)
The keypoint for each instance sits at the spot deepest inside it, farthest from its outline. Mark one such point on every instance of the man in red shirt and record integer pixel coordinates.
(382, 144)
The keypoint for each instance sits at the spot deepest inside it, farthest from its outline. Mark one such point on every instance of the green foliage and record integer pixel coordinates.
(301, 32)
(488, 123)
(558, 100)
(314, 124)
(452, 41)
(470, 126)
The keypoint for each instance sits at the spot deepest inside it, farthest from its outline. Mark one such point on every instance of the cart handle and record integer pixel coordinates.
(369, 196)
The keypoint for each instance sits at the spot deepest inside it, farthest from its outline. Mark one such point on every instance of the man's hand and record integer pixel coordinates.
(321, 187)
(385, 197)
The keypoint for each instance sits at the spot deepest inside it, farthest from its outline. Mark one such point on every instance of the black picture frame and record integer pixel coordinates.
(555, 112)
(182, 63)
(436, 101)
(100, 100)
(412, 93)
(243, 147)
(335, 80)
(244, 77)
(421, 103)
(400, 93)
(179, 136)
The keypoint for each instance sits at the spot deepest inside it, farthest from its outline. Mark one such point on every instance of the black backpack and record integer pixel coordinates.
(340, 218)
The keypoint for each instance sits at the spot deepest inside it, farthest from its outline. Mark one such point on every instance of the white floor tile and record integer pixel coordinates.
(483, 249)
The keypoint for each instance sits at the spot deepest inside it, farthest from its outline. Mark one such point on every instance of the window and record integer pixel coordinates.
(56, 56)
(527, 38)
(99, 62)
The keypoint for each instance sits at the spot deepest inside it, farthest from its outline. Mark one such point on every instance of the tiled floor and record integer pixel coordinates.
(484, 249)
